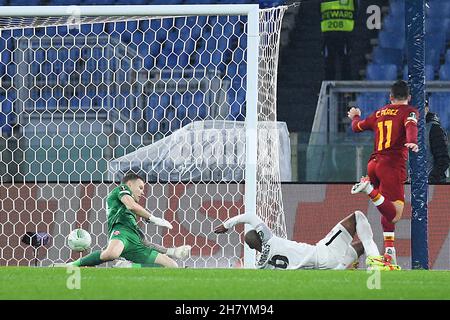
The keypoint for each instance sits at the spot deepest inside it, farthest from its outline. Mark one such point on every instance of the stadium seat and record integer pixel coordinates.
(447, 57)
(388, 56)
(439, 103)
(432, 57)
(63, 2)
(235, 112)
(393, 23)
(24, 2)
(132, 2)
(435, 41)
(435, 25)
(393, 40)
(437, 10)
(5, 56)
(172, 2)
(52, 104)
(236, 100)
(270, 3)
(397, 8)
(381, 72)
(188, 46)
(51, 54)
(154, 117)
(368, 102)
(444, 72)
(199, 1)
(97, 2)
(429, 72)
(88, 29)
(6, 116)
(155, 48)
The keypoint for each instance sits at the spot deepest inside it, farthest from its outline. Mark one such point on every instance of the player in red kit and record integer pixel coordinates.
(395, 129)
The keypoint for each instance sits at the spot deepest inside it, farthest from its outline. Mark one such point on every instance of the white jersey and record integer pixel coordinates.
(332, 252)
(279, 253)
(328, 253)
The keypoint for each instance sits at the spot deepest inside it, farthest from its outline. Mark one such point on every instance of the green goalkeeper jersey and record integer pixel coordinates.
(117, 212)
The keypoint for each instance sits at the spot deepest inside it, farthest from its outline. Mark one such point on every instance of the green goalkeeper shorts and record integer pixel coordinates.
(134, 250)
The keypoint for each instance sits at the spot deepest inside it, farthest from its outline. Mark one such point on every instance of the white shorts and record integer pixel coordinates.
(333, 249)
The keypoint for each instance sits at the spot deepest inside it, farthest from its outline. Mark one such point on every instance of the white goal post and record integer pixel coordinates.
(182, 94)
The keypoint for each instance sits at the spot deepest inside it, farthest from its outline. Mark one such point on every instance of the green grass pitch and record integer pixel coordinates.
(221, 284)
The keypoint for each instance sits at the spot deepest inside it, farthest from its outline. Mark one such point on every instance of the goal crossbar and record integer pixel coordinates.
(131, 10)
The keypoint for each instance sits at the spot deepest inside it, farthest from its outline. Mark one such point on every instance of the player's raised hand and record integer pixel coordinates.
(353, 112)
(220, 229)
(414, 147)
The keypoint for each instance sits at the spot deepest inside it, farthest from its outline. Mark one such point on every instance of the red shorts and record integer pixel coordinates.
(388, 178)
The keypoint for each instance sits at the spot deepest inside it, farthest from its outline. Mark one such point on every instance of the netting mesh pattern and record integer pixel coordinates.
(269, 195)
(56, 209)
(110, 88)
(75, 97)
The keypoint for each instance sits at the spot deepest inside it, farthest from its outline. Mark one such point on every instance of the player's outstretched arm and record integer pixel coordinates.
(358, 125)
(132, 205)
(251, 219)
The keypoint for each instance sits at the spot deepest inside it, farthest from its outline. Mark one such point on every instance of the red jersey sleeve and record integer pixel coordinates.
(411, 125)
(359, 125)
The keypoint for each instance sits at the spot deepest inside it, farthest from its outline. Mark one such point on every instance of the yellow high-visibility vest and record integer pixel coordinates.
(337, 15)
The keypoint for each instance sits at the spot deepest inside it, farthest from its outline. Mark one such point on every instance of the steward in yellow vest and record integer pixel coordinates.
(337, 15)
(337, 25)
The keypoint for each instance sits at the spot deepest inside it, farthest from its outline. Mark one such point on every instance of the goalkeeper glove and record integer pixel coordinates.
(159, 222)
(179, 252)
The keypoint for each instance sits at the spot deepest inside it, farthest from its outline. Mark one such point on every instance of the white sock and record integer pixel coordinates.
(389, 234)
(369, 188)
(365, 234)
(378, 202)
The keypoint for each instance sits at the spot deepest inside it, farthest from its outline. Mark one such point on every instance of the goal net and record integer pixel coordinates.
(183, 95)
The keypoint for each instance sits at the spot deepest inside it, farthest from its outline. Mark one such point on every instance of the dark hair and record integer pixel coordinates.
(400, 90)
(253, 240)
(131, 176)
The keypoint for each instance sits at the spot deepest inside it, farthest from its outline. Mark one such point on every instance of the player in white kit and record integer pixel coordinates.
(336, 251)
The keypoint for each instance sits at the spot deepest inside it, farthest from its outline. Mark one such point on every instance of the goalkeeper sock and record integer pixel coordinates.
(90, 260)
(365, 234)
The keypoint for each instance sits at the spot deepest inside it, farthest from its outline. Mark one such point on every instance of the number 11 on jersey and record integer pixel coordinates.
(381, 141)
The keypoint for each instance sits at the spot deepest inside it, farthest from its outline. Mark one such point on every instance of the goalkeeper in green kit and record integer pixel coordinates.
(126, 240)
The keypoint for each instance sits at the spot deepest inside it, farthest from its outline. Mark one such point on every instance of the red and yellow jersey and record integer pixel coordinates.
(393, 125)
